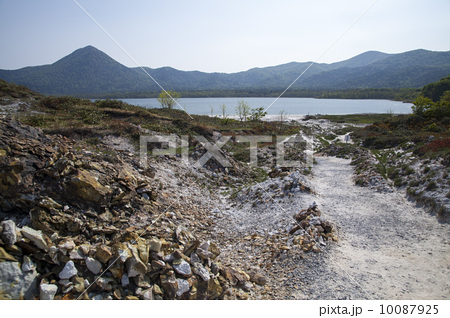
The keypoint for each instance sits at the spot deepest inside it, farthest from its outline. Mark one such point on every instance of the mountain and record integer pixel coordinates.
(90, 72)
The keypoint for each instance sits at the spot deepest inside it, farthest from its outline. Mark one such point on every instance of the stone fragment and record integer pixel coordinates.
(93, 265)
(134, 265)
(247, 286)
(47, 291)
(68, 271)
(214, 289)
(142, 281)
(183, 286)
(234, 276)
(105, 283)
(78, 284)
(148, 294)
(5, 256)
(125, 280)
(195, 258)
(201, 271)
(123, 252)
(49, 204)
(86, 186)
(36, 237)
(131, 298)
(158, 265)
(154, 244)
(183, 268)
(103, 253)
(157, 290)
(66, 245)
(143, 250)
(9, 236)
(27, 265)
(215, 268)
(77, 254)
(169, 284)
(258, 279)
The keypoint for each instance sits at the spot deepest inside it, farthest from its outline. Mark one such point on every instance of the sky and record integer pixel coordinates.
(219, 36)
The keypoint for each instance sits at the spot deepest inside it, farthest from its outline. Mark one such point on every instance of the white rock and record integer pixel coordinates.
(93, 265)
(68, 271)
(183, 286)
(36, 237)
(28, 265)
(183, 268)
(148, 294)
(48, 291)
(16, 284)
(76, 254)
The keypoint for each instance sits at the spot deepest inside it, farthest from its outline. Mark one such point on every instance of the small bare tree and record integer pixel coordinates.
(281, 118)
(243, 110)
(223, 108)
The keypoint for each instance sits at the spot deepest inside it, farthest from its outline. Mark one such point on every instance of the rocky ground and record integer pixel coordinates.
(91, 222)
(82, 221)
(385, 248)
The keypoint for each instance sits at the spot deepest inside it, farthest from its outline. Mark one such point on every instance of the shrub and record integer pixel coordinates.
(431, 186)
(111, 103)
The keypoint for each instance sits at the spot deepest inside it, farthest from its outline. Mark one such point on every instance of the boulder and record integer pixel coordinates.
(15, 284)
(85, 186)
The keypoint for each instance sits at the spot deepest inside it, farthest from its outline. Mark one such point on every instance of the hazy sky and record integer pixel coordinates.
(222, 36)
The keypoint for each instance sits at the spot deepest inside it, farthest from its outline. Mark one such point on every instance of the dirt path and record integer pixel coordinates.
(388, 248)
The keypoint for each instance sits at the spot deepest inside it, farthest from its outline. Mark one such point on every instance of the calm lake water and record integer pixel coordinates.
(291, 106)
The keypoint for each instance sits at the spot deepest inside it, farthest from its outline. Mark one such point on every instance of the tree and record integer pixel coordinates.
(243, 110)
(281, 118)
(424, 106)
(223, 108)
(258, 113)
(168, 99)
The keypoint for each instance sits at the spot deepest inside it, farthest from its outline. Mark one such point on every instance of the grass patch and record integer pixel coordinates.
(356, 118)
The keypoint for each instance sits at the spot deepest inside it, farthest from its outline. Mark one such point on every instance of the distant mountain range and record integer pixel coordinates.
(90, 72)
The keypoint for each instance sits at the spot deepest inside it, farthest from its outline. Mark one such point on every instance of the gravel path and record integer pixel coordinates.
(388, 248)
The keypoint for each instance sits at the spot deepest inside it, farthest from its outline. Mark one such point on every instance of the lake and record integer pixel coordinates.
(291, 106)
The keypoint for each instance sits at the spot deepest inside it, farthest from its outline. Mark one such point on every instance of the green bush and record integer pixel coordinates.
(431, 186)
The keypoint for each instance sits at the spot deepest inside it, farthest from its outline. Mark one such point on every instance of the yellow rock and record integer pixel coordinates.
(4, 256)
(86, 186)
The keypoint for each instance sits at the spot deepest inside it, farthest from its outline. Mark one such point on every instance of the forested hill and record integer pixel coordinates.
(90, 72)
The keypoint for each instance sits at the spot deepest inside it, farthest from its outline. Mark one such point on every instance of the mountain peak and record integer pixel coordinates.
(89, 71)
